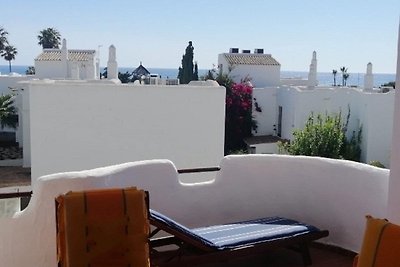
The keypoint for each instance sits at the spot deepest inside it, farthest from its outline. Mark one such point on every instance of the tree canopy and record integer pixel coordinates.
(49, 38)
(8, 112)
(189, 71)
(9, 54)
(3, 39)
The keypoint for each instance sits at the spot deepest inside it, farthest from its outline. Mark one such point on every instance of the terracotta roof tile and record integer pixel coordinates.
(251, 59)
(73, 55)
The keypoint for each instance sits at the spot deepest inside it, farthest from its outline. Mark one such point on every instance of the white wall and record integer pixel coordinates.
(7, 81)
(379, 126)
(267, 118)
(331, 194)
(80, 125)
(56, 69)
(294, 81)
(50, 69)
(261, 75)
(266, 148)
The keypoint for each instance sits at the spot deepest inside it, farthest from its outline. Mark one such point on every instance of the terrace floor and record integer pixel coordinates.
(320, 255)
(14, 176)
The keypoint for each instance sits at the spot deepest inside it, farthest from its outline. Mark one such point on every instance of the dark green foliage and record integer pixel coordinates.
(325, 136)
(49, 38)
(334, 72)
(239, 121)
(8, 112)
(345, 76)
(30, 70)
(376, 163)
(9, 54)
(351, 148)
(188, 71)
(196, 72)
(3, 39)
(390, 84)
(125, 77)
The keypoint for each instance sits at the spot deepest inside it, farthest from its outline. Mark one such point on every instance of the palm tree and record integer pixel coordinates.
(3, 39)
(344, 72)
(49, 38)
(334, 72)
(345, 77)
(8, 112)
(9, 54)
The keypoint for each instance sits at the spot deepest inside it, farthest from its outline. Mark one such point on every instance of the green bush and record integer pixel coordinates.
(376, 163)
(325, 136)
(8, 112)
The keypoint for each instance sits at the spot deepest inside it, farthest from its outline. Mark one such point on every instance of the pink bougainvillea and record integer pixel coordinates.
(238, 120)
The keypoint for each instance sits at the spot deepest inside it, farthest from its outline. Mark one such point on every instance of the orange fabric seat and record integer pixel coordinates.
(381, 245)
(99, 228)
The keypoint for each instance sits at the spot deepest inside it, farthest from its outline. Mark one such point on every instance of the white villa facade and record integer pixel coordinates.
(287, 103)
(263, 69)
(66, 63)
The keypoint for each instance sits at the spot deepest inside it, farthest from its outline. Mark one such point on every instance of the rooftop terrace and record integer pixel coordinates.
(330, 194)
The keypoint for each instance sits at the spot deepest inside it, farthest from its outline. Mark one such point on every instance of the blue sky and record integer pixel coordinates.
(347, 33)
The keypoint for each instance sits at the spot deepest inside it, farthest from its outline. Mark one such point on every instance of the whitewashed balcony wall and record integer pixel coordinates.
(81, 125)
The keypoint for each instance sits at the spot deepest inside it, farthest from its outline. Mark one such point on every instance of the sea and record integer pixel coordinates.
(324, 78)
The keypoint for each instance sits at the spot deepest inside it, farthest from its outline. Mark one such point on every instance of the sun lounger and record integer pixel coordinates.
(110, 227)
(219, 242)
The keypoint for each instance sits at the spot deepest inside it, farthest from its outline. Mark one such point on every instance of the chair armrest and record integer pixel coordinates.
(355, 262)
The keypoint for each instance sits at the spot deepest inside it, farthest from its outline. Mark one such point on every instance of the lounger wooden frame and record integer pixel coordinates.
(191, 252)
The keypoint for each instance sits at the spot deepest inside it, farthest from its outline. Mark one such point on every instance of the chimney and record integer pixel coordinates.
(369, 78)
(112, 65)
(312, 74)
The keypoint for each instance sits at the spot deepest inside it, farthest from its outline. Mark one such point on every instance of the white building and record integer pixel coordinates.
(77, 64)
(103, 122)
(262, 68)
(287, 103)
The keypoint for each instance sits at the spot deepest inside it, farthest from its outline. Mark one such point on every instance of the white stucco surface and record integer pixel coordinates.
(394, 185)
(331, 194)
(11, 81)
(80, 125)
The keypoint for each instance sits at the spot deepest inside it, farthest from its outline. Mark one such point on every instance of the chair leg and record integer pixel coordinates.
(305, 253)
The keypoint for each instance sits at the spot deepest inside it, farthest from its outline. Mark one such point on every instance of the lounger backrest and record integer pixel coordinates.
(172, 227)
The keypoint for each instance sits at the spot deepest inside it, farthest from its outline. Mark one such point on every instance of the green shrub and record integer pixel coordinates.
(376, 163)
(325, 136)
(8, 112)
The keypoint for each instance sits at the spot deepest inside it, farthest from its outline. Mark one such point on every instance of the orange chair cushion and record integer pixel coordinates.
(381, 244)
(100, 228)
